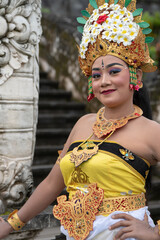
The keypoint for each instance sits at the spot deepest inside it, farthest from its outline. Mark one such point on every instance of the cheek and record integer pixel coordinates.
(123, 80)
(95, 85)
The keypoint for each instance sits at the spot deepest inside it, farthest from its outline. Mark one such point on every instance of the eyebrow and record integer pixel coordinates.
(109, 65)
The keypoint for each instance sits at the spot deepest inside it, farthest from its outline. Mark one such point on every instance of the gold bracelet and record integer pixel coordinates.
(158, 222)
(15, 221)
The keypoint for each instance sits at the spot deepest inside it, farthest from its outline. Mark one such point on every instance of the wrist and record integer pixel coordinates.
(14, 221)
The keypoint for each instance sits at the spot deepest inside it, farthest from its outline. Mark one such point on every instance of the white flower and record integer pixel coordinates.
(112, 37)
(115, 22)
(126, 41)
(124, 31)
(105, 5)
(86, 40)
(120, 26)
(132, 34)
(106, 26)
(95, 32)
(119, 38)
(106, 34)
(95, 15)
(105, 12)
(96, 25)
(116, 7)
(93, 39)
(83, 47)
(82, 55)
(123, 11)
(130, 16)
(111, 15)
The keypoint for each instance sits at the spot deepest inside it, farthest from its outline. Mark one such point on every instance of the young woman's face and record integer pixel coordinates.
(110, 81)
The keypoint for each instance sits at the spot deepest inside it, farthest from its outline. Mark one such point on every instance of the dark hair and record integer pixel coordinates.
(141, 98)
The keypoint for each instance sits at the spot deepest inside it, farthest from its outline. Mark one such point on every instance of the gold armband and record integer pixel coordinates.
(158, 222)
(15, 221)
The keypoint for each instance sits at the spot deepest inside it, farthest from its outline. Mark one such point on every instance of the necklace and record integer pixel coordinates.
(102, 127)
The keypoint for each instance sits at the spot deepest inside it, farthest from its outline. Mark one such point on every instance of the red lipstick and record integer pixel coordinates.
(105, 92)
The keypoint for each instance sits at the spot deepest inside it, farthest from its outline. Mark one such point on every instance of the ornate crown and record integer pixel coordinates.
(114, 27)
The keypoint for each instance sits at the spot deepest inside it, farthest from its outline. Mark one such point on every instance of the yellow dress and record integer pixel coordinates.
(114, 169)
(111, 168)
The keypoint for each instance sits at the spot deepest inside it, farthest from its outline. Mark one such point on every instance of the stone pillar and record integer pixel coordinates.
(20, 32)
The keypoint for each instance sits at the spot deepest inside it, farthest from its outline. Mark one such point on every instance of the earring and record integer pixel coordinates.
(135, 84)
(90, 89)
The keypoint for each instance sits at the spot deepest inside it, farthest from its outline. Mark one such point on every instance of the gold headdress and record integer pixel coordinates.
(115, 27)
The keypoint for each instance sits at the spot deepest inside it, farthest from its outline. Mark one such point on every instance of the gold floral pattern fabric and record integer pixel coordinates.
(78, 214)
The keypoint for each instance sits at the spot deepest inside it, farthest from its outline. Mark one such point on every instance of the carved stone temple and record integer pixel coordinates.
(20, 32)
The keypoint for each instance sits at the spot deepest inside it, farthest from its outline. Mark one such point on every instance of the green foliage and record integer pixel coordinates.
(80, 29)
(149, 39)
(127, 2)
(116, 1)
(93, 3)
(137, 12)
(85, 13)
(143, 24)
(81, 20)
(147, 31)
(46, 10)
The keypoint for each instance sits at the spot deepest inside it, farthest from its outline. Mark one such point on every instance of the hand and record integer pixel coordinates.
(5, 228)
(134, 228)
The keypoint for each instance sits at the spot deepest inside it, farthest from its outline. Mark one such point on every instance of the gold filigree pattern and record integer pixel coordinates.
(78, 156)
(125, 203)
(102, 126)
(78, 214)
(78, 176)
(136, 54)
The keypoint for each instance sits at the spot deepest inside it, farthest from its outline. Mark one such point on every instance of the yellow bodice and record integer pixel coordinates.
(110, 168)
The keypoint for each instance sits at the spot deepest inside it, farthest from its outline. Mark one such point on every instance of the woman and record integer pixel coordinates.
(107, 156)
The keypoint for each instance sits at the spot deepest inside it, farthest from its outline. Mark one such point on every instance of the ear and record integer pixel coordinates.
(139, 74)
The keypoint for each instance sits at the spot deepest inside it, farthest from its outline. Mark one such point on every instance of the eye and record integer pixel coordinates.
(96, 76)
(114, 71)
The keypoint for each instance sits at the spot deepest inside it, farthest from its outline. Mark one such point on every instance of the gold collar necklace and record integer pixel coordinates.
(101, 128)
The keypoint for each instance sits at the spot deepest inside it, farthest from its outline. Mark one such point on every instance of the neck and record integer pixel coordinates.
(118, 111)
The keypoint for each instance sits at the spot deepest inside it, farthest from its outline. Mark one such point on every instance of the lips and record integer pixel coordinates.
(105, 92)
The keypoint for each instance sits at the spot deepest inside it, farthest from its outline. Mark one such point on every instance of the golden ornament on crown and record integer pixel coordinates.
(114, 27)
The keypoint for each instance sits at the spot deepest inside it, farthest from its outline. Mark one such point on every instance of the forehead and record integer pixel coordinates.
(108, 59)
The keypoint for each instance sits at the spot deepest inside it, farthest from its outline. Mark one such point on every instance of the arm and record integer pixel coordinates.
(45, 194)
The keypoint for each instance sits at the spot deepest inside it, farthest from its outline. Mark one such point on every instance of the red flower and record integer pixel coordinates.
(131, 86)
(102, 19)
(136, 88)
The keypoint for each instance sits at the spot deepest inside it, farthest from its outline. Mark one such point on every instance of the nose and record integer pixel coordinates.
(105, 79)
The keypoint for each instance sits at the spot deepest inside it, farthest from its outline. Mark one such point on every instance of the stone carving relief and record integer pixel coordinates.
(18, 21)
(20, 32)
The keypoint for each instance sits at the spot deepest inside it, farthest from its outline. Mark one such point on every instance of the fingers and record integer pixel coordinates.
(123, 232)
(124, 236)
(121, 223)
(145, 218)
(123, 215)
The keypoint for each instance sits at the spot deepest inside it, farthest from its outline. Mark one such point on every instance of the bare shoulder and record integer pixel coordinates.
(87, 119)
(83, 127)
(152, 133)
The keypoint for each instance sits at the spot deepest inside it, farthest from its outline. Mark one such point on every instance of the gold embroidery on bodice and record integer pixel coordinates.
(78, 176)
